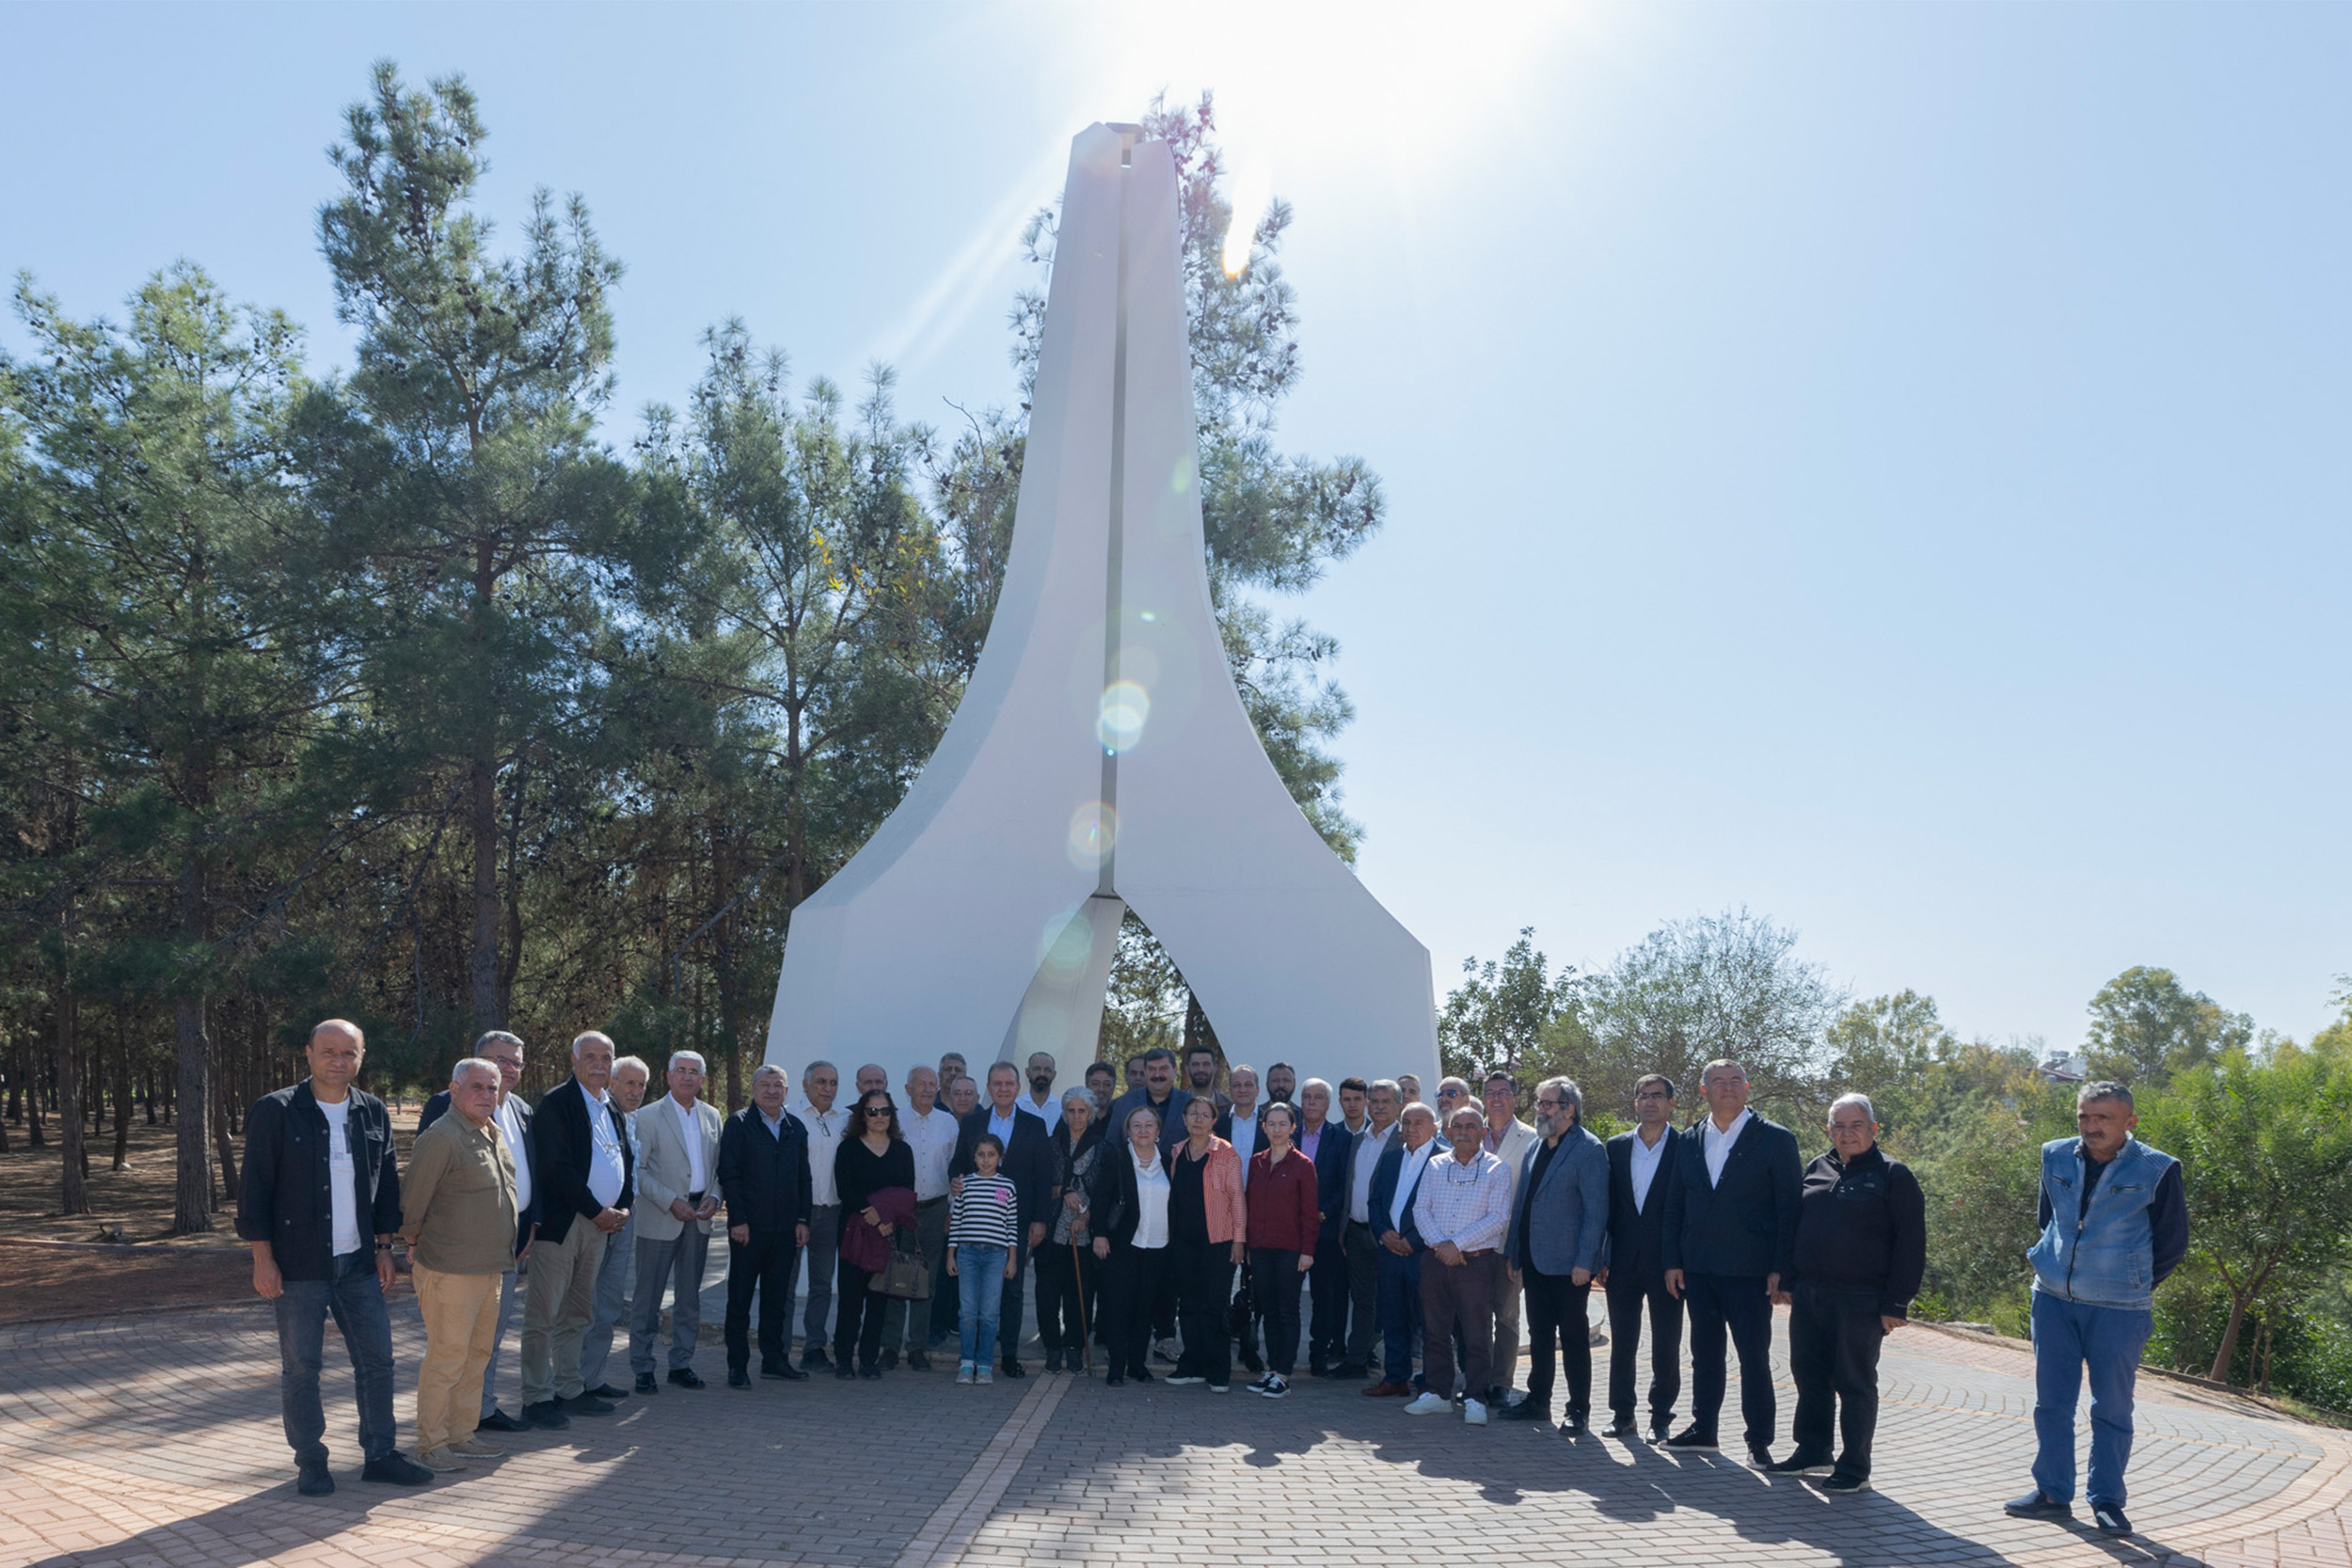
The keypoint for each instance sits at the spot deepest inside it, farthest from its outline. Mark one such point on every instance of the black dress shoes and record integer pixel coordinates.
(603, 1391)
(1622, 1427)
(314, 1481)
(548, 1413)
(685, 1377)
(740, 1378)
(499, 1420)
(1012, 1368)
(645, 1385)
(786, 1371)
(395, 1469)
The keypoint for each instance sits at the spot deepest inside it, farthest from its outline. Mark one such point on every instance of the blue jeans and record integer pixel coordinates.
(980, 1285)
(509, 1297)
(1400, 1313)
(613, 1277)
(2069, 1336)
(356, 1303)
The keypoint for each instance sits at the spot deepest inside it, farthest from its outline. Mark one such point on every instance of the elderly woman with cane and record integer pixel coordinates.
(1066, 1264)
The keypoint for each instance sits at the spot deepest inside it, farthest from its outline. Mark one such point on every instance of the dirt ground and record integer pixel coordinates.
(155, 1270)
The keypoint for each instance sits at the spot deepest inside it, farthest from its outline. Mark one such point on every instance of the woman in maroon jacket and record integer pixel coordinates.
(1285, 1214)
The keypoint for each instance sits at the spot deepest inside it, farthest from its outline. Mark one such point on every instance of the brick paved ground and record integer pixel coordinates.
(153, 1439)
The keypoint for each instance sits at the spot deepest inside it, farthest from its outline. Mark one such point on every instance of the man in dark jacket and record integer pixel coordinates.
(1730, 1239)
(319, 1205)
(583, 1174)
(505, 1052)
(1862, 1249)
(763, 1172)
(1395, 1185)
(1028, 1164)
(1640, 1169)
(1326, 1142)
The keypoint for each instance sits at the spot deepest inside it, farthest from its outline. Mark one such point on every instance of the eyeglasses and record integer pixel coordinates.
(879, 1110)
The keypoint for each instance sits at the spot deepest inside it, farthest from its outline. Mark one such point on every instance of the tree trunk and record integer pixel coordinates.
(2228, 1352)
(224, 1138)
(33, 1134)
(73, 1192)
(192, 1183)
(122, 1094)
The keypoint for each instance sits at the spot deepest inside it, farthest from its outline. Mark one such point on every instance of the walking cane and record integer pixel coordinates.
(1086, 1324)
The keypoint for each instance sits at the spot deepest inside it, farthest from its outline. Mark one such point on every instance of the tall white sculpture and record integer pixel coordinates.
(1101, 758)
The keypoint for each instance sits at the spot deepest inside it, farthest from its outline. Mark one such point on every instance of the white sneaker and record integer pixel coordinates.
(1183, 1382)
(1474, 1412)
(1274, 1389)
(983, 1375)
(1429, 1404)
(963, 1372)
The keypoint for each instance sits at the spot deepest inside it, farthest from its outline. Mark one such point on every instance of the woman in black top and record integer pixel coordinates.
(1066, 1286)
(873, 1157)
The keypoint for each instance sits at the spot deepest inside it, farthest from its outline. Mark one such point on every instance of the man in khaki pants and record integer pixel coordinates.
(458, 1215)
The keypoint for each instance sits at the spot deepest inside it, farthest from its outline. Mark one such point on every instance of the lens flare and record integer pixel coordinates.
(1126, 706)
(1062, 945)
(1093, 829)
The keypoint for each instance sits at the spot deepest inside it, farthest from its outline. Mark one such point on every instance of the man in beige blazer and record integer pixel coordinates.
(677, 1186)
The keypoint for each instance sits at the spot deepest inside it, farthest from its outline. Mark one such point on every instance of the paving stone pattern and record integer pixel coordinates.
(153, 1439)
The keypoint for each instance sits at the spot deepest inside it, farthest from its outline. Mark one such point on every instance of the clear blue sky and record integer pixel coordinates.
(1887, 467)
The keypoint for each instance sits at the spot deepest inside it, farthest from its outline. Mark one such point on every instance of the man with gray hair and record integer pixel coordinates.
(1558, 1239)
(678, 1192)
(1862, 1249)
(505, 1052)
(2114, 1223)
(631, 1077)
(585, 1173)
(458, 1215)
(1463, 1209)
(825, 1126)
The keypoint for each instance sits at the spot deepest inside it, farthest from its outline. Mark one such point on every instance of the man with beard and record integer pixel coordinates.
(1040, 1102)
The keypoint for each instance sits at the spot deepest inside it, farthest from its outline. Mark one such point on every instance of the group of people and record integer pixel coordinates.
(1202, 1226)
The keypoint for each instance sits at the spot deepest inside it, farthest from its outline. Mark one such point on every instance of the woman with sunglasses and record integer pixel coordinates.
(874, 1171)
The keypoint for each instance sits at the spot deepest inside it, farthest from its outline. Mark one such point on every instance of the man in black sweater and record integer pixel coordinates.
(1862, 1249)
(1730, 1239)
(1641, 1170)
(763, 1170)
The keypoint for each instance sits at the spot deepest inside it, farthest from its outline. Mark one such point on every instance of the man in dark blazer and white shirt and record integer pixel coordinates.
(1324, 1140)
(585, 1175)
(1730, 1239)
(1028, 1164)
(1641, 1169)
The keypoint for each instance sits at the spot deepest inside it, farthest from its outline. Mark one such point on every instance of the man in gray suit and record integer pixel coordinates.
(678, 1185)
(1558, 1239)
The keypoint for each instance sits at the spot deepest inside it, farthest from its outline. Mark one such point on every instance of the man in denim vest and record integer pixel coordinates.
(2114, 1223)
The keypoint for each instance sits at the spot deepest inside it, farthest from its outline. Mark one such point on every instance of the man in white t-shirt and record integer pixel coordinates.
(929, 1129)
(825, 1123)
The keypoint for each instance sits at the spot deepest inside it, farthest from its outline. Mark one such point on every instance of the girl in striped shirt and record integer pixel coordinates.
(983, 1229)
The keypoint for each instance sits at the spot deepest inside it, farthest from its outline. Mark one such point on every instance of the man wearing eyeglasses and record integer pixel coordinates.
(1641, 1164)
(1463, 1209)
(1557, 1242)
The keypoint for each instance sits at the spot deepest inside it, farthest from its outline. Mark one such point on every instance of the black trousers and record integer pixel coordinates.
(1066, 1275)
(1833, 1339)
(1274, 1280)
(1327, 1282)
(1629, 1297)
(1362, 1249)
(1735, 1303)
(857, 1324)
(765, 1264)
(1203, 1273)
(1556, 1319)
(1133, 1281)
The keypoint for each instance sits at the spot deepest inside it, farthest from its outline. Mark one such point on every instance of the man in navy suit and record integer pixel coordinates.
(1641, 1167)
(1395, 1182)
(1730, 1239)
(1028, 1164)
(1326, 1142)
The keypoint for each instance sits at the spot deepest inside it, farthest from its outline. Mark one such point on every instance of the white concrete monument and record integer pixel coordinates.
(1101, 758)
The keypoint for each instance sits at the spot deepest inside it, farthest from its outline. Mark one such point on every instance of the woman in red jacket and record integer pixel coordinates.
(1285, 1214)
